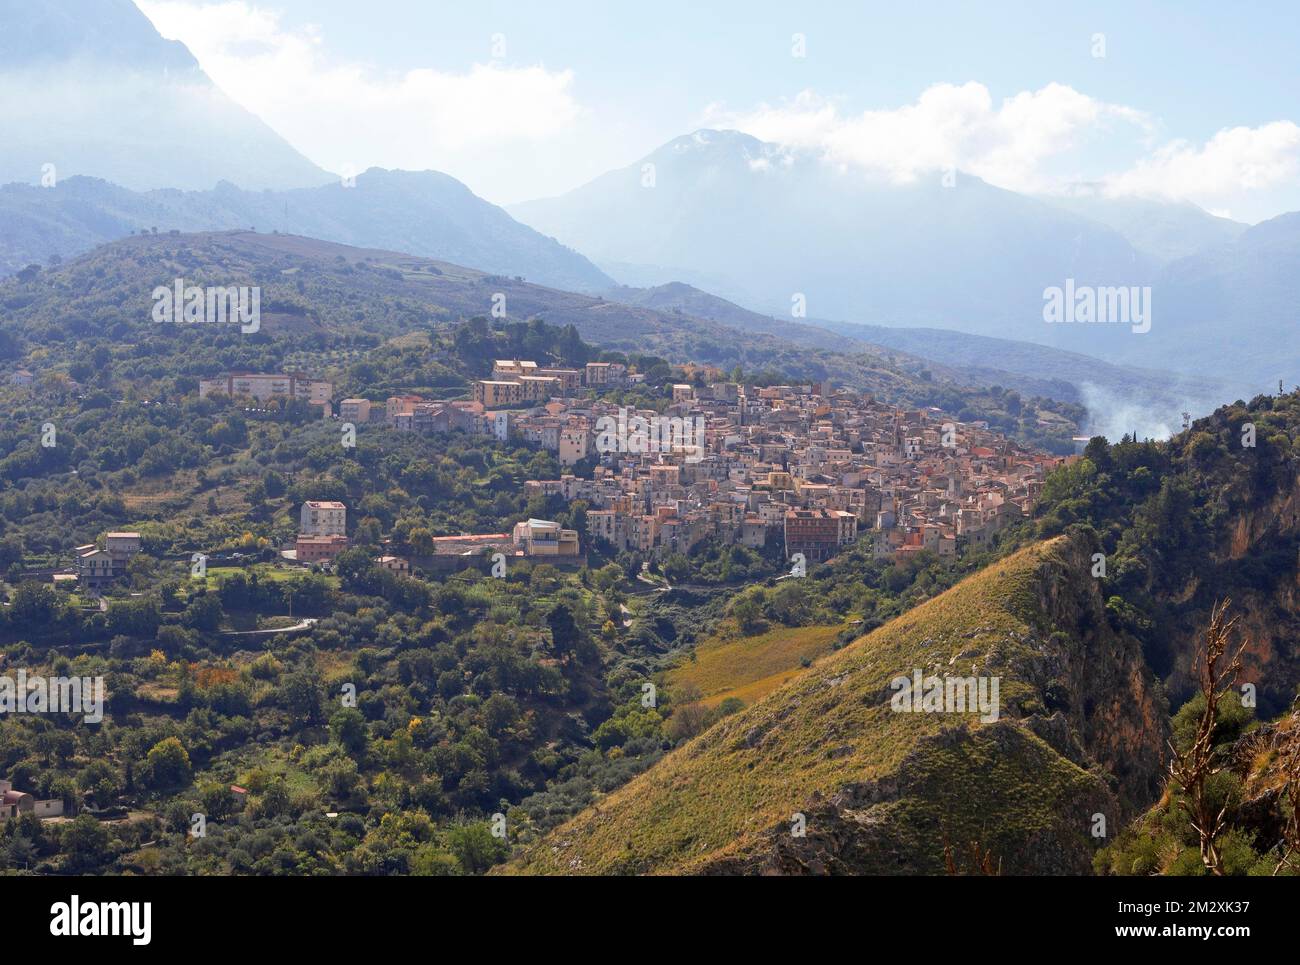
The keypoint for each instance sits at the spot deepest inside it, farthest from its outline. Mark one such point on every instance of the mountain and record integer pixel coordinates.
(762, 226)
(1232, 308)
(1228, 311)
(1080, 732)
(773, 229)
(1164, 231)
(425, 213)
(1119, 399)
(336, 290)
(89, 87)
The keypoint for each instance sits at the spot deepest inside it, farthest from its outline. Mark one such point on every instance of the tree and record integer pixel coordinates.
(99, 781)
(273, 484)
(353, 567)
(34, 604)
(204, 612)
(300, 695)
(348, 728)
(167, 765)
(11, 551)
(421, 541)
(85, 842)
(1192, 767)
(1289, 800)
(1098, 453)
(476, 847)
(218, 801)
(500, 712)
(565, 633)
(749, 615)
(134, 618)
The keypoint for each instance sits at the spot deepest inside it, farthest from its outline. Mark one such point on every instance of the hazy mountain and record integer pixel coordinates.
(1162, 230)
(1120, 399)
(423, 213)
(761, 225)
(90, 87)
(1232, 308)
(1229, 311)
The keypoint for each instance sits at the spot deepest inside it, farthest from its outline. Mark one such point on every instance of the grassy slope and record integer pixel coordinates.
(752, 667)
(720, 797)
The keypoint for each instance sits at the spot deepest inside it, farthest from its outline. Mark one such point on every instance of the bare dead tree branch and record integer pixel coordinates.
(1191, 769)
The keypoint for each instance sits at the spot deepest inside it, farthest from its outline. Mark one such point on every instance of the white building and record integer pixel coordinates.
(323, 518)
(14, 804)
(541, 537)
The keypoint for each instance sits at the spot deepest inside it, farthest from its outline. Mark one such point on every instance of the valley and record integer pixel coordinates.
(511, 442)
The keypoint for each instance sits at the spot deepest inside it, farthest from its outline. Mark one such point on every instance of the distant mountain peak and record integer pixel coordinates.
(719, 145)
(38, 33)
(92, 88)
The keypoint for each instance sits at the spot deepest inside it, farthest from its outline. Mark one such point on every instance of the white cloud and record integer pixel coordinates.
(477, 123)
(345, 115)
(949, 125)
(1043, 141)
(1235, 161)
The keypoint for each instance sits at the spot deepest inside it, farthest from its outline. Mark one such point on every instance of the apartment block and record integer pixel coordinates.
(265, 387)
(494, 393)
(323, 518)
(355, 411)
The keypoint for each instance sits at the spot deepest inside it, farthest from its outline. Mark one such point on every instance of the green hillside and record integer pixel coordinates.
(883, 792)
(321, 296)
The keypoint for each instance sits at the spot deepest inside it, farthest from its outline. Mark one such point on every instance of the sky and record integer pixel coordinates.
(1182, 101)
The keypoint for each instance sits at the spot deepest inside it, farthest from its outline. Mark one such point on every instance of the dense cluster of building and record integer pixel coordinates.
(514, 384)
(805, 465)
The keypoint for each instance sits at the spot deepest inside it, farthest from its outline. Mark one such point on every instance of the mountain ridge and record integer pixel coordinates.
(775, 230)
(423, 213)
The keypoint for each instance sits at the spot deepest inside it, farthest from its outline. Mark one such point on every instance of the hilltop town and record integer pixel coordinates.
(808, 467)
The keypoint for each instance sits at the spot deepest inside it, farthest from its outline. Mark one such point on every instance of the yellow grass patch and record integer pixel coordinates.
(752, 667)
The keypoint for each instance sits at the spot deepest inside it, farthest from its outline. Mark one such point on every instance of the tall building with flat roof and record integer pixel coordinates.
(323, 518)
(263, 387)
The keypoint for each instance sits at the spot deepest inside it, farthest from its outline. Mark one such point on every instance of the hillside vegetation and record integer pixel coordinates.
(752, 667)
(884, 791)
(323, 296)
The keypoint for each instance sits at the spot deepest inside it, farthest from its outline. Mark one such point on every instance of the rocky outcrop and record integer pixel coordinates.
(1256, 564)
